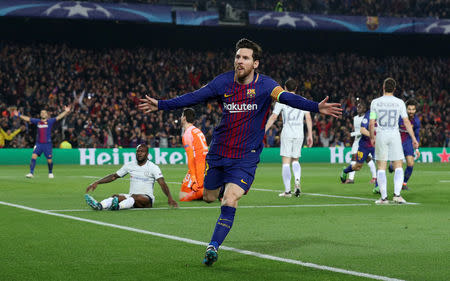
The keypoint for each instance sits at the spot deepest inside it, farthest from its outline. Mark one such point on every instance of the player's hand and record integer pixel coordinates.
(194, 184)
(91, 187)
(417, 153)
(148, 104)
(333, 109)
(415, 144)
(309, 141)
(173, 203)
(67, 108)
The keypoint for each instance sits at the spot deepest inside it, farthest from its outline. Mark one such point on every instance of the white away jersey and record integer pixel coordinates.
(142, 178)
(387, 110)
(292, 120)
(357, 125)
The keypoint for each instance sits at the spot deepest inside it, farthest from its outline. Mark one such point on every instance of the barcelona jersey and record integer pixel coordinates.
(245, 109)
(415, 123)
(44, 129)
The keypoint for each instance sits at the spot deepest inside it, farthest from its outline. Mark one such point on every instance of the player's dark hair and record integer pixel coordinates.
(290, 85)
(189, 114)
(245, 43)
(389, 85)
(412, 101)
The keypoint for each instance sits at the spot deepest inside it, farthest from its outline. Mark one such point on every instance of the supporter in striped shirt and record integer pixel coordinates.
(245, 97)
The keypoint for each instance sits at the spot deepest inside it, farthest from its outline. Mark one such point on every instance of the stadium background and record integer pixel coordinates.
(115, 62)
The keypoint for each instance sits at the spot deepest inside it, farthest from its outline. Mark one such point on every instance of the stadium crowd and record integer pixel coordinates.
(104, 87)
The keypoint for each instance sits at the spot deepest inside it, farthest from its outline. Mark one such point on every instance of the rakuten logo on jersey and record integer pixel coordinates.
(239, 107)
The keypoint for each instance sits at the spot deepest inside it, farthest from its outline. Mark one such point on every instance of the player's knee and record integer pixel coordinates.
(208, 198)
(357, 167)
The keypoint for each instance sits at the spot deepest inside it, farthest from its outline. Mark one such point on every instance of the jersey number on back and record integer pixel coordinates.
(388, 118)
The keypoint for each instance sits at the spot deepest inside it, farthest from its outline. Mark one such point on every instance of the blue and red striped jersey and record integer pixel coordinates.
(44, 129)
(245, 109)
(365, 140)
(415, 123)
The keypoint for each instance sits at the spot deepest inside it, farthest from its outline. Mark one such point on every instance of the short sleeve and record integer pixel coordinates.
(156, 172)
(365, 121)
(123, 171)
(34, 120)
(373, 112)
(277, 108)
(403, 113)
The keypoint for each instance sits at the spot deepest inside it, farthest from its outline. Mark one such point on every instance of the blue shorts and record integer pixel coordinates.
(408, 149)
(45, 148)
(363, 152)
(221, 170)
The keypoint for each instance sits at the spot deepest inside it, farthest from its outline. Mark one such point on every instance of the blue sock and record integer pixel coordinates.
(348, 169)
(223, 225)
(50, 168)
(32, 165)
(408, 173)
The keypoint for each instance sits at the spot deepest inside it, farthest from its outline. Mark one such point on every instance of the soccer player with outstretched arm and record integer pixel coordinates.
(43, 138)
(291, 140)
(385, 111)
(237, 142)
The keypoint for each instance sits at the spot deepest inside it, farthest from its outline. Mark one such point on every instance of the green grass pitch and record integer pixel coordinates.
(408, 242)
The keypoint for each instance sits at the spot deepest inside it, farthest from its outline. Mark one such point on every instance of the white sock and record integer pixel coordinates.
(286, 173)
(106, 203)
(373, 170)
(297, 169)
(382, 183)
(127, 203)
(398, 181)
(351, 175)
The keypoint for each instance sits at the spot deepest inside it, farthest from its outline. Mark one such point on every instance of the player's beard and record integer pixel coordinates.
(242, 72)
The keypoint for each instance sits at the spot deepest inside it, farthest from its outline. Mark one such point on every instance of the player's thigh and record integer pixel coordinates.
(286, 145)
(214, 176)
(142, 201)
(396, 149)
(37, 151)
(241, 173)
(355, 146)
(48, 152)
(232, 194)
(381, 148)
(297, 148)
(408, 149)
(409, 160)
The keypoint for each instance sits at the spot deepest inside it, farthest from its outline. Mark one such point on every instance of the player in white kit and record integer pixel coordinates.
(385, 111)
(360, 110)
(143, 175)
(291, 139)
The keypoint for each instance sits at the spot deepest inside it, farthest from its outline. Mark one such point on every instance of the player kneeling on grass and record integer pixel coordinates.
(143, 175)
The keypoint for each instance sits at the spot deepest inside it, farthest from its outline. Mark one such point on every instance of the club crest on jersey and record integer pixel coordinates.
(251, 93)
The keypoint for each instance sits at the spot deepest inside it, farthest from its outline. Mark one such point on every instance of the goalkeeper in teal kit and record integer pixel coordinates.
(245, 97)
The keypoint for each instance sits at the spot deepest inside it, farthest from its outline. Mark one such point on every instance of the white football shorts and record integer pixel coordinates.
(290, 147)
(388, 146)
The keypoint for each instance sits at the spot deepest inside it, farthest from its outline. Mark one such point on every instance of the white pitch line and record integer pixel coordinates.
(444, 181)
(217, 207)
(195, 242)
(329, 195)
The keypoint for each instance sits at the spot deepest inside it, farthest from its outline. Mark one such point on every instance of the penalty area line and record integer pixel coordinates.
(200, 243)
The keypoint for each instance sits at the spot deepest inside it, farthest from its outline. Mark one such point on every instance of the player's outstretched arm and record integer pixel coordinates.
(64, 113)
(165, 189)
(411, 132)
(273, 117)
(333, 109)
(108, 178)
